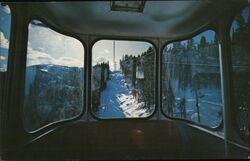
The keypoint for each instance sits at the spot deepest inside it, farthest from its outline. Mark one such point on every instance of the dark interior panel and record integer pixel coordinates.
(126, 140)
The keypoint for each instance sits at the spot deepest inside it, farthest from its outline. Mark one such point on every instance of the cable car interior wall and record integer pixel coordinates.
(124, 80)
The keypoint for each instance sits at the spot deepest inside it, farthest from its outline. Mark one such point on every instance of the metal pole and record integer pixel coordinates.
(226, 83)
(114, 55)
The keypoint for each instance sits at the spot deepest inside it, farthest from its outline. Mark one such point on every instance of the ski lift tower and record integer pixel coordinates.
(114, 55)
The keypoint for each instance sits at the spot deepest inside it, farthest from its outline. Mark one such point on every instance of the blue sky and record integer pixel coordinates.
(44, 41)
(103, 50)
(209, 35)
(46, 46)
(245, 13)
(5, 20)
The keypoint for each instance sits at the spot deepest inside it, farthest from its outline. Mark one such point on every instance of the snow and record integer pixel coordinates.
(4, 41)
(2, 58)
(210, 105)
(44, 70)
(209, 96)
(118, 102)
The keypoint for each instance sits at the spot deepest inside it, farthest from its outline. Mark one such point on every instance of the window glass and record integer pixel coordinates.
(191, 87)
(123, 79)
(240, 46)
(5, 20)
(54, 77)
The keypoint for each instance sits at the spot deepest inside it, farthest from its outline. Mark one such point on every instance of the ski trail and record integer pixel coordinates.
(110, 106)
(118, 102)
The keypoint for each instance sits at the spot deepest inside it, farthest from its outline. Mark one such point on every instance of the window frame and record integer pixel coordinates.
(156, 56)
(213, 28)
(232, 98)
(55, 124)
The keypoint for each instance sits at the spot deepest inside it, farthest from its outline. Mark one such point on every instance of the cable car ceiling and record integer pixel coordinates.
(165, 19)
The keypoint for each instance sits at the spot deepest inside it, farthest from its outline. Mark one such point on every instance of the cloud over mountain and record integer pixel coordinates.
(36, 57)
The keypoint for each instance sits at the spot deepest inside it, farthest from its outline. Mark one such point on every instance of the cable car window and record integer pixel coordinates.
(5, 21)
(123, 79)
(191, 87)
(240, 47)
(54, 77)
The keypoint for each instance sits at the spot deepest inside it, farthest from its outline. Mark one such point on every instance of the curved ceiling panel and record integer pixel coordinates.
(166, 19)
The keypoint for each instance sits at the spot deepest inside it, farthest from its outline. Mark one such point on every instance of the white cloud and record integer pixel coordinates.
(41, 49)
(4, 43)
(3, 64)
(100, 60)
(3, 67)
(55, 44)
(35, 57)
(2, 58)
(106, 51)
(46, 46)
(6, 9)
(71, 62)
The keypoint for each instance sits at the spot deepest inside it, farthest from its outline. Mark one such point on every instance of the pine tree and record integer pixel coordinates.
(203, 42)
(241, 35)
(198, 96)
(148, 86)
(133, 71)
(190, 44)
(177, 45)
(215, 39)
(240, 21)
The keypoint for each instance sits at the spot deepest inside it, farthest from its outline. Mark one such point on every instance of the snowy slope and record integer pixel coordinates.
(118, 102)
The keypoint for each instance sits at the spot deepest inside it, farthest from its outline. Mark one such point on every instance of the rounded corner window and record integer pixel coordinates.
(54, 80)
(191, 84)
(240, 50)
(5, 28)
(123, 79)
